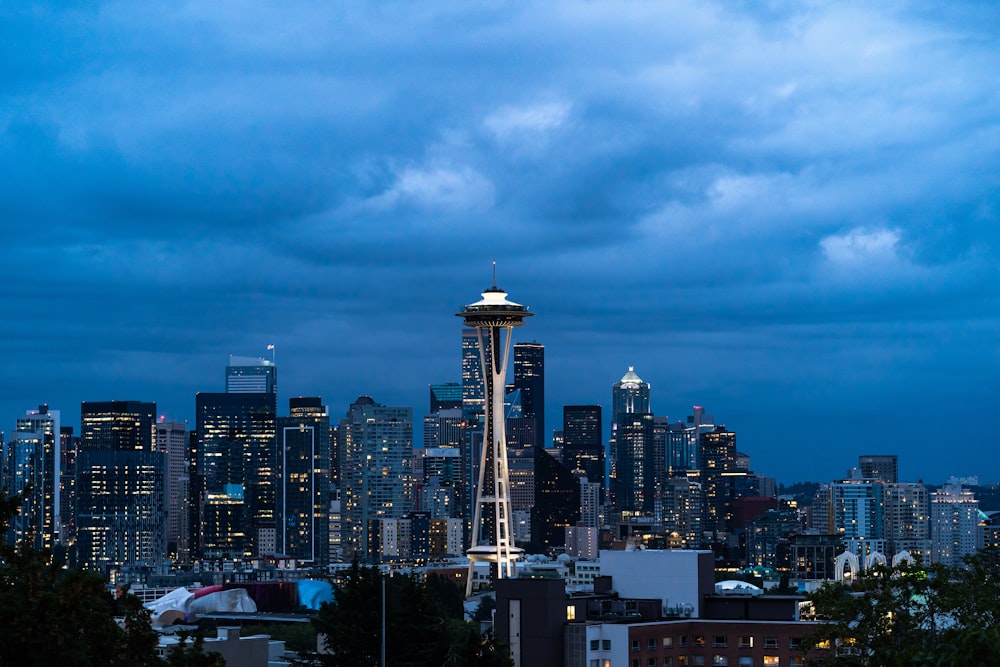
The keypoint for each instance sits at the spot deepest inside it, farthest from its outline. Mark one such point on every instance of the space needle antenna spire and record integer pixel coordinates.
(492, 539)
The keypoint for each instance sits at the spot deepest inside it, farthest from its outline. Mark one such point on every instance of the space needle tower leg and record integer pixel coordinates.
(493, 318)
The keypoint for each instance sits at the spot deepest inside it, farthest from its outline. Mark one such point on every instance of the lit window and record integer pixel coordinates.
(668, 642)
(570, 612)
(746, 641)
(771, 661)
(720, 660)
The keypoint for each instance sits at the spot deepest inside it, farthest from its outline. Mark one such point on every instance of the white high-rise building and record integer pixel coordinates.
(954, 524)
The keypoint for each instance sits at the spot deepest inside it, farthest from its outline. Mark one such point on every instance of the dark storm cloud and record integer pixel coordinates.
(768, 210)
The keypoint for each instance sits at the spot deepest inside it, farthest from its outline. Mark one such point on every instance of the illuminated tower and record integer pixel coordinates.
(493, 318)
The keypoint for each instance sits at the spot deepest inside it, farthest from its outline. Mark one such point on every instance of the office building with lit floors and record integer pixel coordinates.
(32, 467)
(717, 459)
(235, 475)
(121, 487)
(303, 489)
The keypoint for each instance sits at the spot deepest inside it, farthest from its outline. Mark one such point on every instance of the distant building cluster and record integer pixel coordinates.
(129, 491)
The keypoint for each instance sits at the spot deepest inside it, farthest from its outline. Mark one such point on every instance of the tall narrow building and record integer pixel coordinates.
(172, 440)
(303, 490)
(376, 450)
(121, 487)
(718, 460)
(529, 379)
(236, 458)
(33, 465)
(634, 484)
(583, 441)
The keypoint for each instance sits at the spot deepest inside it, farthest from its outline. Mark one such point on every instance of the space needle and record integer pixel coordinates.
(493, 317)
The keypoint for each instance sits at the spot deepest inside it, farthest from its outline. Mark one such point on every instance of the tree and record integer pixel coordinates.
(183, 654)
(911, 615)
(418, 631)
(53, 615)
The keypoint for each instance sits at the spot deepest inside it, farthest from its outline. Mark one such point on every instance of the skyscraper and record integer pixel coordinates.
(529, 379)
(634, 484)
(235, 460)
(473, 391)
(583, 441)
(121, 486)
(376, 449)
(718, 457)
(172, 440)
(236, 457)
(303, 490)
(557, 501)
(493, 318)
(33, 461)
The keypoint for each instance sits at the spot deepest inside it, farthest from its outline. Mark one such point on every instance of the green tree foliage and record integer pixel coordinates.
(53, 615)
(190, 652)
(911, 616)
(419, 632)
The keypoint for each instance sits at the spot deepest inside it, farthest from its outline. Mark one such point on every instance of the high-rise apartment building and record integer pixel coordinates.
(529, 380)
(857, 509)
(376, 450)
(954, 524)
(303, 488)
(121, 486)
(682, 507)
(907, 518)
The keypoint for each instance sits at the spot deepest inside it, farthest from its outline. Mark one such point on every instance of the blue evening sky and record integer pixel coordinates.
(784, 211)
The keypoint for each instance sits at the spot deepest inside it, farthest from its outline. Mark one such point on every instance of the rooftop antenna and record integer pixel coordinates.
(494, 273)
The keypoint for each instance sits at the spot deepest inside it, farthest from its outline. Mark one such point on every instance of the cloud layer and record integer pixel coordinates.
(787, 214)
